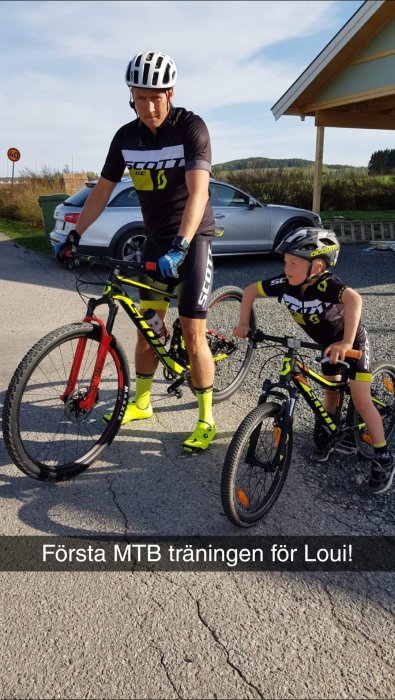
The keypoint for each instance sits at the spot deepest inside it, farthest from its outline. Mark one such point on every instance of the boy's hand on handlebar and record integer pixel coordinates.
(65, 250)
(337, 351)
(241, 331)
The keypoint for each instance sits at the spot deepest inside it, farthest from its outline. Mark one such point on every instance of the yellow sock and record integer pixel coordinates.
(205, 403)
(143, 390)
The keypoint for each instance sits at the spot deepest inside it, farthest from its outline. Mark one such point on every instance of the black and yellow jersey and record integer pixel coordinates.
(319, 310)
(157, 165)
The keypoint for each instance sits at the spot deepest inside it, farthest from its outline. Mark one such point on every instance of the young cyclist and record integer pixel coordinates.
(168, 154)
(330, 313)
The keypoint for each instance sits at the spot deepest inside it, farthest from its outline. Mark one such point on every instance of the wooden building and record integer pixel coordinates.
(351, 83)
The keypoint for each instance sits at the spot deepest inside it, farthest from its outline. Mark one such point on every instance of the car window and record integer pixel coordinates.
(126, 198)
(79, 198)
(223, 196)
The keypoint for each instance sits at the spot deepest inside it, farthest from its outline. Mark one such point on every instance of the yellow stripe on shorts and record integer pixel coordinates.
(160, 304)
(363, 377)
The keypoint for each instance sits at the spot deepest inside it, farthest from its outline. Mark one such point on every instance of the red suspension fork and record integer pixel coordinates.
(105, 341)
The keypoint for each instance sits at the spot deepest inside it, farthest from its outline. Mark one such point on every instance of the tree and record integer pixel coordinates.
(382, 162)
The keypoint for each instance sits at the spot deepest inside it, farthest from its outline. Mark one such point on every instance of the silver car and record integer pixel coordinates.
(244, 224)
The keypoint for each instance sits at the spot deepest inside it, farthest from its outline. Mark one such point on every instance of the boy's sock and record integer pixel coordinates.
(381, 453)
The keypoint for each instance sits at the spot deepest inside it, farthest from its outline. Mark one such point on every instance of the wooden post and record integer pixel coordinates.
(319, 150)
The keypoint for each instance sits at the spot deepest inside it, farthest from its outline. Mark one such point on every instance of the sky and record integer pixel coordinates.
(62, 68)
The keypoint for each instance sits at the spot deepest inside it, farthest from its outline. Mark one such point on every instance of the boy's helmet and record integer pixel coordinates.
(311, 243)
(151, 69)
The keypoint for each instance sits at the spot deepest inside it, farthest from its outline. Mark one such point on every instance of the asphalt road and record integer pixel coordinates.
(190, 635)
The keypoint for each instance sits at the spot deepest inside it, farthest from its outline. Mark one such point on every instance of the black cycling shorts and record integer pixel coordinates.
(360, 370)
(194, 284)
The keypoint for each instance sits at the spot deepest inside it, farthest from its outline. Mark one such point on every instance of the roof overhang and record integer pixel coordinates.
(366, 100)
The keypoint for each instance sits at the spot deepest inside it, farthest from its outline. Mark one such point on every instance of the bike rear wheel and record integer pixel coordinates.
(232, 356)
(256, 465)
(383, 395)
(49, 437)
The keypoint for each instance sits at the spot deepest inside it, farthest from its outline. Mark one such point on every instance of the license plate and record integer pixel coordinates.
(59, 225)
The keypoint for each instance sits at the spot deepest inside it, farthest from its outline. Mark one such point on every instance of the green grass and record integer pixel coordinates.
(25, 235)
(360, 215)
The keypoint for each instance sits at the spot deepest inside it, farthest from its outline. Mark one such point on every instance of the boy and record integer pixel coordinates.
(330, 313)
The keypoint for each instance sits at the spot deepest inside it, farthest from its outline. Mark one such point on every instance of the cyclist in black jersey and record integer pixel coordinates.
(168, 154)
(330, 313)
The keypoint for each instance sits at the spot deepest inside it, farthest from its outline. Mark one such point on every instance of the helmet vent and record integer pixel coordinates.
(145, 74)
(166, 77)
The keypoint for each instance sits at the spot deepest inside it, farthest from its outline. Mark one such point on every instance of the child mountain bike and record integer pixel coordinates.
(330, 313)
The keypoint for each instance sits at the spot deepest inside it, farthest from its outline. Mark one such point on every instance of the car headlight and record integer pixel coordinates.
(318, 220)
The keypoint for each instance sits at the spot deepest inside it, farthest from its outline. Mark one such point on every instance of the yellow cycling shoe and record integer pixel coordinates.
(132, 412)
(200, 438)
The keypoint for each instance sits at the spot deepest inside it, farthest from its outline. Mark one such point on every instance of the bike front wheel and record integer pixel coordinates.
(47, 435)
(232, 356)
(256, 465)
(383, 397)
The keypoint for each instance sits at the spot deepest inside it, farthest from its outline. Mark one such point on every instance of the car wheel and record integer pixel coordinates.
(130, 247)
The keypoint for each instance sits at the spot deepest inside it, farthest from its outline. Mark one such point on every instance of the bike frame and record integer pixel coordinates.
(114, 292)
(292, 379)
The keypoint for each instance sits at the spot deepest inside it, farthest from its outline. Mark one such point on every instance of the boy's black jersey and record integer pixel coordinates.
(157, 165)
(319, 311)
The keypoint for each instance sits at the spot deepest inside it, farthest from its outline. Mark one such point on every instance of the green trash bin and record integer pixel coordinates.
(48, 204)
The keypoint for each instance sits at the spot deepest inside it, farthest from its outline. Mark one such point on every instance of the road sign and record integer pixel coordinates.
(13, 154)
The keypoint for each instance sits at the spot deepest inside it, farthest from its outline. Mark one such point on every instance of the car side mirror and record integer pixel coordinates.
(251, 203)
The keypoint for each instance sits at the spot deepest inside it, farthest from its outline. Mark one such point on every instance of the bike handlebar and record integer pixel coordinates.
(293, 343)
(132, 268)
(112, 263)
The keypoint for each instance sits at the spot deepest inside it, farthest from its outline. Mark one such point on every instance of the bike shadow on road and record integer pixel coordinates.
(144, 484)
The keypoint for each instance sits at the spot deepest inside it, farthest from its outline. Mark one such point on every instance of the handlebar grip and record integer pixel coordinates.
(354, 354)
(256, 336)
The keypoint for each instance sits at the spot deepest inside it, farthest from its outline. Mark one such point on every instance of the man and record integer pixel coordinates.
(167, 151)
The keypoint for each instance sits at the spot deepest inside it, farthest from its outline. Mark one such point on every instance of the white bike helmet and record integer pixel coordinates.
(311, 243)
(151, 69)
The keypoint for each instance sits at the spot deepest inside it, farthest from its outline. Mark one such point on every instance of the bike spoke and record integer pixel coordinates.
(55, 432)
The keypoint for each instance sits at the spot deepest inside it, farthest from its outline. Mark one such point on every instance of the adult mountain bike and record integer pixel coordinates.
(259, 455)
(53, 411)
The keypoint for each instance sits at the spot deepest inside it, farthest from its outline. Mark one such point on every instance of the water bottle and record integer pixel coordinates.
(157, 325)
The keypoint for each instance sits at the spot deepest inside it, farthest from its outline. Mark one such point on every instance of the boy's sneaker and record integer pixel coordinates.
(323, 441)
(320, 453)
(381, 475)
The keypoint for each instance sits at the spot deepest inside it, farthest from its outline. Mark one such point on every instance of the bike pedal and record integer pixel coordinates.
(176, 392)
(346, 448)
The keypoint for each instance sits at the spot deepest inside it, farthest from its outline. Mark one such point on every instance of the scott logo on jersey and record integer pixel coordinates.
(152, 172)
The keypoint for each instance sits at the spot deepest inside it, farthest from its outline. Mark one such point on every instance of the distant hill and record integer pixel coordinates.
(261, 163)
